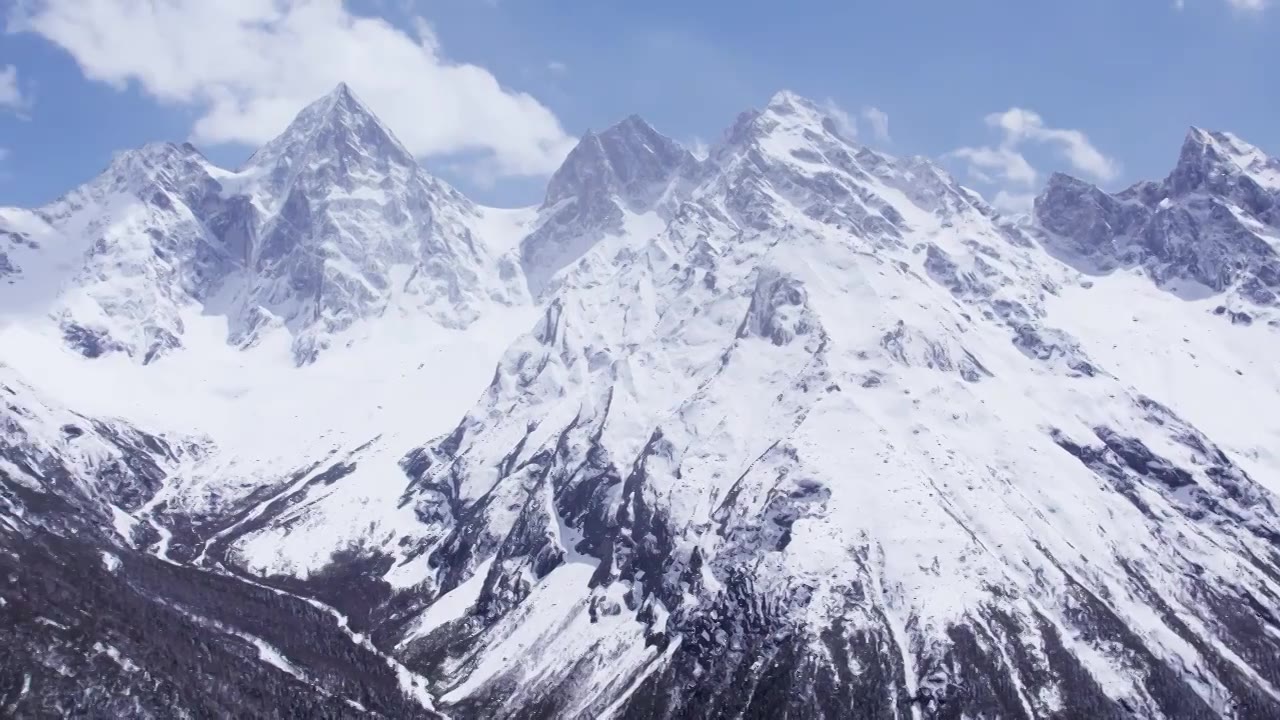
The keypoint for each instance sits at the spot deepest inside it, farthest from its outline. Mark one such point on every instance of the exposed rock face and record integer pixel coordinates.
(1211, 223)
(628, 170)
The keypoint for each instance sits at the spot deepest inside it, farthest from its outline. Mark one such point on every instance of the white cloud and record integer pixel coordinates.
(1005, 162)
(1020, 125)
(1013, 203)
(879, 122)
(249, 65)
(10, 93)
(1249, 6)
(1006, 168)
(699, 148)
(846, 124)
(1018, 128)
(557, 67)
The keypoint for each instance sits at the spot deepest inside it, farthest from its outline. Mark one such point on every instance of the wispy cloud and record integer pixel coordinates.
(1013, 203)
(1246, 6)
(1005, 168)
(699, 148)
(248, 67)
(1019, 127)
(846, 124)
(878, 121)
(1002, 162)
(557, 67)
(11, 97)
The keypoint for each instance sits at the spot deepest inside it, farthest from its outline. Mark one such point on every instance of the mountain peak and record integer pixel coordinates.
(1207, 155)
(1218, 145)
(793, 117)
(787, 101)
(1061, 179)
(343, 103)
(623, 159)
(141, 168)
(342, 90)
(338, 126)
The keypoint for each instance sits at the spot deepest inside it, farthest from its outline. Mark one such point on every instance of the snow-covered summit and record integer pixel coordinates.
(1210, 157)
(336, 144)
(331, 223)
(1211, 226)
(629, 160)
(621, 181)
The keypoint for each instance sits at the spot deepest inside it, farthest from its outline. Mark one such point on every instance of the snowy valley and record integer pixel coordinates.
(800, 429)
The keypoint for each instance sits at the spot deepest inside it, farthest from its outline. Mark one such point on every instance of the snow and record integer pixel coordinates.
(110, 561)
(502, 229)
(124, 524)
(115, 655)
(275, 658)
(550, 623)
(451, 606)
(1179, 352)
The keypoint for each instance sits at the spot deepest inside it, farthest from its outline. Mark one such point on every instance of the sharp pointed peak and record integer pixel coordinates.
(1195, 132)
(1198, 138)
(340, 100)
(630, 126)
(786, 99)
(790, 112)
(1061, 178)
(626, 129)
(613, 160)
(1219, 140)
(633, 121)
(1206, 153)
(155, 154)
(338, 114)
(790, 103)
(343, 97)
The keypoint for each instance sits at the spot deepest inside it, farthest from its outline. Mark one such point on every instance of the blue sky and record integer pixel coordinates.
(490, 93)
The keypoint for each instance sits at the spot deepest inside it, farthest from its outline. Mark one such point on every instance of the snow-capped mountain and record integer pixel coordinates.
(799, 430)
(615, 184)
(330, 223)
(1212, 225)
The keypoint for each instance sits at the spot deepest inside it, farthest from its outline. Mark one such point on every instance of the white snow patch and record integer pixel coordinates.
(451, 606)
(110, 561)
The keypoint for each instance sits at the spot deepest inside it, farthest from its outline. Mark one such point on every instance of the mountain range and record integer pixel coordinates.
(800, 429)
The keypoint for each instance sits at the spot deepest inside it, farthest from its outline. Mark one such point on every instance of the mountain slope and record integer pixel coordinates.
(93, 625)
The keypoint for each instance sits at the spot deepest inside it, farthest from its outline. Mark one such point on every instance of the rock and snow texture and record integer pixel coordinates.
(330, 223)
(827, 450)
(614, 184)
(798, 430)
(1212, 225)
